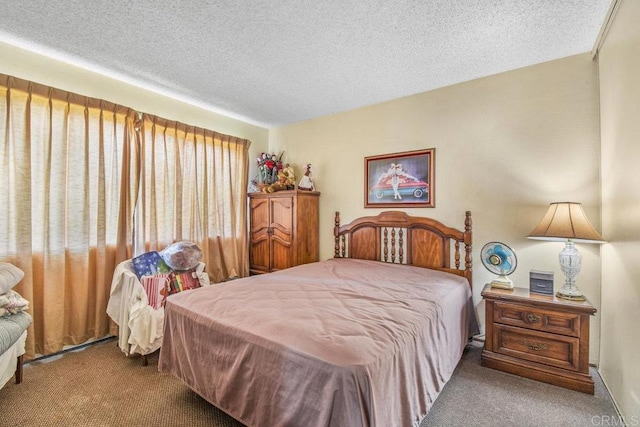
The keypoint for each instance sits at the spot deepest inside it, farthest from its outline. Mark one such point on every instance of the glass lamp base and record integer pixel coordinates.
(571, 296)
(570, 263)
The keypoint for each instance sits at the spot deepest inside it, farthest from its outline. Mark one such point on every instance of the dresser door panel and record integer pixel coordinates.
(259, 214)
(281, 229)
(259, 259)
(540, 347)
(282, 216)
(259, 254)
(281, 252)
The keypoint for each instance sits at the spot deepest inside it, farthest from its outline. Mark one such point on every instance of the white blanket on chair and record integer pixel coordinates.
(140, 325)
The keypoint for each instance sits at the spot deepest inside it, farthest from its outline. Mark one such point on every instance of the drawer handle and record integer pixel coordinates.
(533, 318)
(535, 346)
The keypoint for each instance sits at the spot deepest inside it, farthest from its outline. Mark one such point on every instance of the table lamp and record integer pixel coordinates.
(566, 222)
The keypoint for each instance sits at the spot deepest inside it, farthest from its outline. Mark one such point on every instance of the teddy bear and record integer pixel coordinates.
(286, 181)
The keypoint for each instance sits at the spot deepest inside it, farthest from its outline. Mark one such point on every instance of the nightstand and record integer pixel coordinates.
(538, 336)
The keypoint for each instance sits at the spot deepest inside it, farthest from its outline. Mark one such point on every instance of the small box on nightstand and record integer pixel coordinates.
(541, 282)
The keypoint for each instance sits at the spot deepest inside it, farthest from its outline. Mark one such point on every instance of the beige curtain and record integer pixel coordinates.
(193, 188)
(84, 180)
(64, 207)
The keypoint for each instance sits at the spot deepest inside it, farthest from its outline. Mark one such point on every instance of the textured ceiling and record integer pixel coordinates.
(277, 62)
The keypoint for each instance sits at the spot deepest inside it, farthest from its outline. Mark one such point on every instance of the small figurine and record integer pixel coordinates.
(306, 183)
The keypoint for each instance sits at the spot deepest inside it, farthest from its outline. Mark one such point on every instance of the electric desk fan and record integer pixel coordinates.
(499, 259)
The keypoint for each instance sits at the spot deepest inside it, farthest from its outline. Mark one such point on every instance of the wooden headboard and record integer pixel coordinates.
(398, 238)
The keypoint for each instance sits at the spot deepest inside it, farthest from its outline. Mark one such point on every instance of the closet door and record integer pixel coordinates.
(259, 242)
(281, 235)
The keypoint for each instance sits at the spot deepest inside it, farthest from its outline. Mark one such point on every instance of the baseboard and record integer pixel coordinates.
(71, 348)
(613, 400)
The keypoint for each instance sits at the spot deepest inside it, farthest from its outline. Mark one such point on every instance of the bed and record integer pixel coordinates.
(368, 338)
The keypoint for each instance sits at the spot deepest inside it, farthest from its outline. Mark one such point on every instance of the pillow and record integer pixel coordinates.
(11, 303)
(149, 264)
(10, 275)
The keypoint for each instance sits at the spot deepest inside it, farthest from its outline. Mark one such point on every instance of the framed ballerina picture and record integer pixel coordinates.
(400, 180)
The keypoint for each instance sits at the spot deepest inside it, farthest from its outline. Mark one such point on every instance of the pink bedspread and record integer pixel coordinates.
(341, 342)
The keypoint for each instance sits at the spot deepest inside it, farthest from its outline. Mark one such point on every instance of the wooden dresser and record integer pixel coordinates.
(538, 336)
(283, 230)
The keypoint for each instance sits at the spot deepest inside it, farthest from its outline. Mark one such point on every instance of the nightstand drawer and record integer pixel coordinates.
(537, 319)
(540, 347)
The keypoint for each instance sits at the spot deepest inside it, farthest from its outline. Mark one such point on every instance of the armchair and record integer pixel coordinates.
(140, 325)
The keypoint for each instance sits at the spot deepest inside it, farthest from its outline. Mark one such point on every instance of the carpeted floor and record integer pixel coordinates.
(478, 396)
(99, 386)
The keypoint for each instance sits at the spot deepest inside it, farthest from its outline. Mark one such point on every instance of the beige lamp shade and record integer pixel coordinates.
(566, 221)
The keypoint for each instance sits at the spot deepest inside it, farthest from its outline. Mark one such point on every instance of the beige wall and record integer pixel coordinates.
(619, 61)
(506, 146)
(30, 66)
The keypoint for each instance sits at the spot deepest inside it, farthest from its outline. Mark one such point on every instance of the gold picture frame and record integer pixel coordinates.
(405, 179)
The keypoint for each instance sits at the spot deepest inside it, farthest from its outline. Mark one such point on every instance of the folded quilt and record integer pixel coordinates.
(11, 303)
